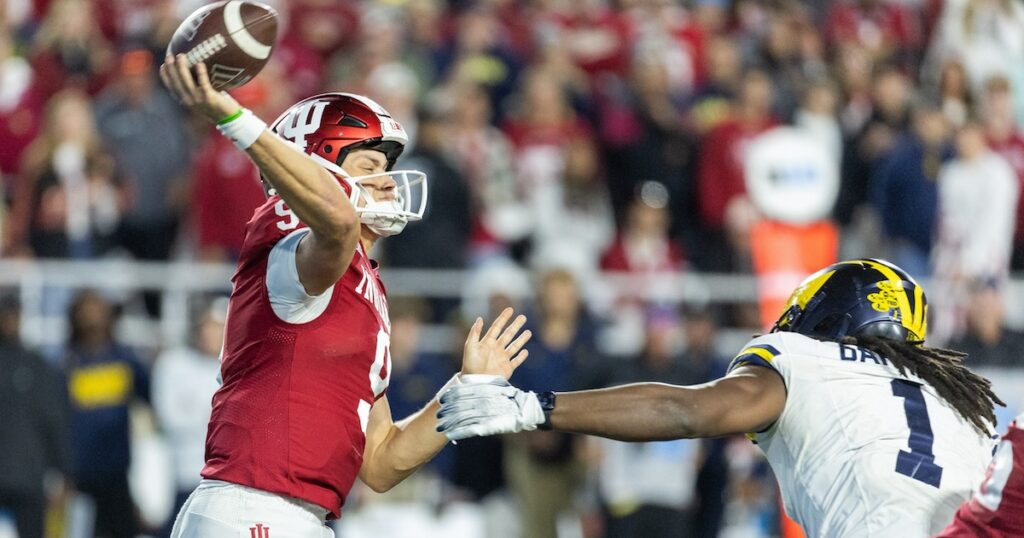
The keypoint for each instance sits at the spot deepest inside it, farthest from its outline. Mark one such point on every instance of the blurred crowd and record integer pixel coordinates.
(561, 138)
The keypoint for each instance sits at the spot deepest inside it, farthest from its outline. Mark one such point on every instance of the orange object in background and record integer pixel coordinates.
(789, 528)
(785, 254)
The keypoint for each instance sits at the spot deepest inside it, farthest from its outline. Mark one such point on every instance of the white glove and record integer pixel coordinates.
(487, 405)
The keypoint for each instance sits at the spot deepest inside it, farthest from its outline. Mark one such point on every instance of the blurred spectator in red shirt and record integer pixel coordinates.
(21, 106)
(643, 246)
(518, 21)
(597, 36)
(125, 21)
(227, 186)
(886, 28)
(543, 123)
(316, 30)
(69, 199)
(1005, 138)
(720, 165)
(643, 251)
(543, 126)
(667, 33)
(325, 26)
(69, 49)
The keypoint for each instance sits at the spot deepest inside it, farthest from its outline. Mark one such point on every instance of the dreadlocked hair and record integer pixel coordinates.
(969, 393)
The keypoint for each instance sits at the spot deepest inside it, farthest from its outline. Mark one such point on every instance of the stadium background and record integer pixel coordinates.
(601, 164)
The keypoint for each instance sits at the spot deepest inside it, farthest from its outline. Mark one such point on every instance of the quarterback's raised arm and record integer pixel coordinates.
(749, 399)
(312, 194)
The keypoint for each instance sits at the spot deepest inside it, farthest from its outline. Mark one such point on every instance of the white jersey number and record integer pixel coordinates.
(291, 221)
(381, 361)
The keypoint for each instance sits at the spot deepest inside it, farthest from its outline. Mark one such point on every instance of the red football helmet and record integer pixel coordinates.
(329, 126)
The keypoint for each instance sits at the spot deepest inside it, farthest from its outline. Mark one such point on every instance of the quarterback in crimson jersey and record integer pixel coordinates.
(997, 509)
(302, 409)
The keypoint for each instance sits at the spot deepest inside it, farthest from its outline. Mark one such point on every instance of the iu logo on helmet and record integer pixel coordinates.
(303, 122)
(259, 531)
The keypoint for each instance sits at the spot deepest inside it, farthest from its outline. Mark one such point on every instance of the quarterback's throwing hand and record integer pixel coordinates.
(196, 92)
(487, 408)
(499, 351)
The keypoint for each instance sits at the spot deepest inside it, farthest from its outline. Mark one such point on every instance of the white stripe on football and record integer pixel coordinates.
(240, 35)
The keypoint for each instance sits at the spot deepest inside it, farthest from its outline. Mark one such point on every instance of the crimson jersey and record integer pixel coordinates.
(290, 417)
(997, 509)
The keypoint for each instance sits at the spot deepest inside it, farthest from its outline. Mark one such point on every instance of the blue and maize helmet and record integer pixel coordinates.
(866, 297)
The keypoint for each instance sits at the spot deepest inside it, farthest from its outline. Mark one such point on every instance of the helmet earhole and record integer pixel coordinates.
(328, 148)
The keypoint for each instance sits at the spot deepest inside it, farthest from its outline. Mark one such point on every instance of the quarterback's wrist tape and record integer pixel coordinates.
(242, 128)
(231, 117)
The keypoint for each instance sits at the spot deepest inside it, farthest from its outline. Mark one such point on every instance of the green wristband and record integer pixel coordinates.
(232, 117)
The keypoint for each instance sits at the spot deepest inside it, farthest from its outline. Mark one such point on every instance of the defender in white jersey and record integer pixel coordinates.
(861, 449)
(869, 432)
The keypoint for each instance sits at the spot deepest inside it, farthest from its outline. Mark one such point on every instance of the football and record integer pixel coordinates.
(233, 38)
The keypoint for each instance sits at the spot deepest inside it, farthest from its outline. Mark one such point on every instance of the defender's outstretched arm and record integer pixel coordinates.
(749, 399)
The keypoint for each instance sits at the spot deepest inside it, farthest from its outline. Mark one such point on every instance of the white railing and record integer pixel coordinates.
(44, 286)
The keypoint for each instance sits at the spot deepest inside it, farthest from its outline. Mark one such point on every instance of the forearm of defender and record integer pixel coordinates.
(747, 400)
(638, 412)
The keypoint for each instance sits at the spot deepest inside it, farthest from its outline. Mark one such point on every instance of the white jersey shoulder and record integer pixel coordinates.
(288, 297)
(861, 449)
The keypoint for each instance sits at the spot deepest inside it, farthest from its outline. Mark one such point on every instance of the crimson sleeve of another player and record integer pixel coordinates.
(997, 509)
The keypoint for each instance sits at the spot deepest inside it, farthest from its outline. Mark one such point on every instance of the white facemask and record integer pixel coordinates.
(388, 217)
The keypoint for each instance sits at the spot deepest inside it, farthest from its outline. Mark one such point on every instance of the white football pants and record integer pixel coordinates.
(219, 509)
